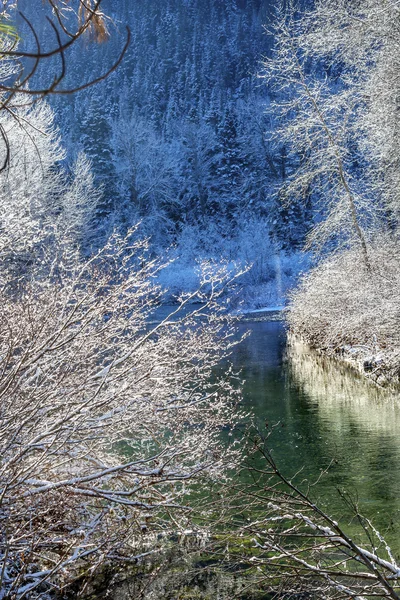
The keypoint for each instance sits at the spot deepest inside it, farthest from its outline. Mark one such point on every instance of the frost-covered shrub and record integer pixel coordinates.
(104, 422)
(104, 418)
(340, 303)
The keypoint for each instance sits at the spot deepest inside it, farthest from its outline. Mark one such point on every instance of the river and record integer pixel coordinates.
(327, 415)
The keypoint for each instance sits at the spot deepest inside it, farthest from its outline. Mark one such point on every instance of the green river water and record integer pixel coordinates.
(327, 414)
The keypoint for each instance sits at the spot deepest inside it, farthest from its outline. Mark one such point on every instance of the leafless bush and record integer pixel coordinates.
(341, 306)
(104, 420)
(283, 543)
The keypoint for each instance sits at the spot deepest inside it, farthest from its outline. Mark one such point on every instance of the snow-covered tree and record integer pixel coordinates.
(144, 164)
(358, 43)
(39, 202)
(317, 123)
(334, 71)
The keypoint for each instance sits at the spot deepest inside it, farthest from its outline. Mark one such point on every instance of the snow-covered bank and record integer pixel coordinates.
(346, 310)
(267, 313)
(379, 365)
(261, 287)
(264, 309)
(270, 272)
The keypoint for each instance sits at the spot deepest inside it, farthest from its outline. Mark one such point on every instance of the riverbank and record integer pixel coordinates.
(350, 312)
(369, 362)
(372, 362)
(267, 278)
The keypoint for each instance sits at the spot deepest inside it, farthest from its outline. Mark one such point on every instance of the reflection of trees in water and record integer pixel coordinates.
(360, 423)
(343, 398)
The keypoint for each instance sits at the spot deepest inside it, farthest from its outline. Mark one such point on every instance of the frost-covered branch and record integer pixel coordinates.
(288, 542)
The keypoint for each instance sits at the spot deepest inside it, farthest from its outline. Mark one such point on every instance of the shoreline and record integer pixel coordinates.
(378, 365)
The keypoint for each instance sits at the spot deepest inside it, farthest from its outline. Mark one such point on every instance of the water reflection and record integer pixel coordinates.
(325, 413)
(343, 396)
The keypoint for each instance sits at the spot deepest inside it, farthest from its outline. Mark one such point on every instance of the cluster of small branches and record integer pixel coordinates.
(104, 419)
(283, 543)
(71, 22)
